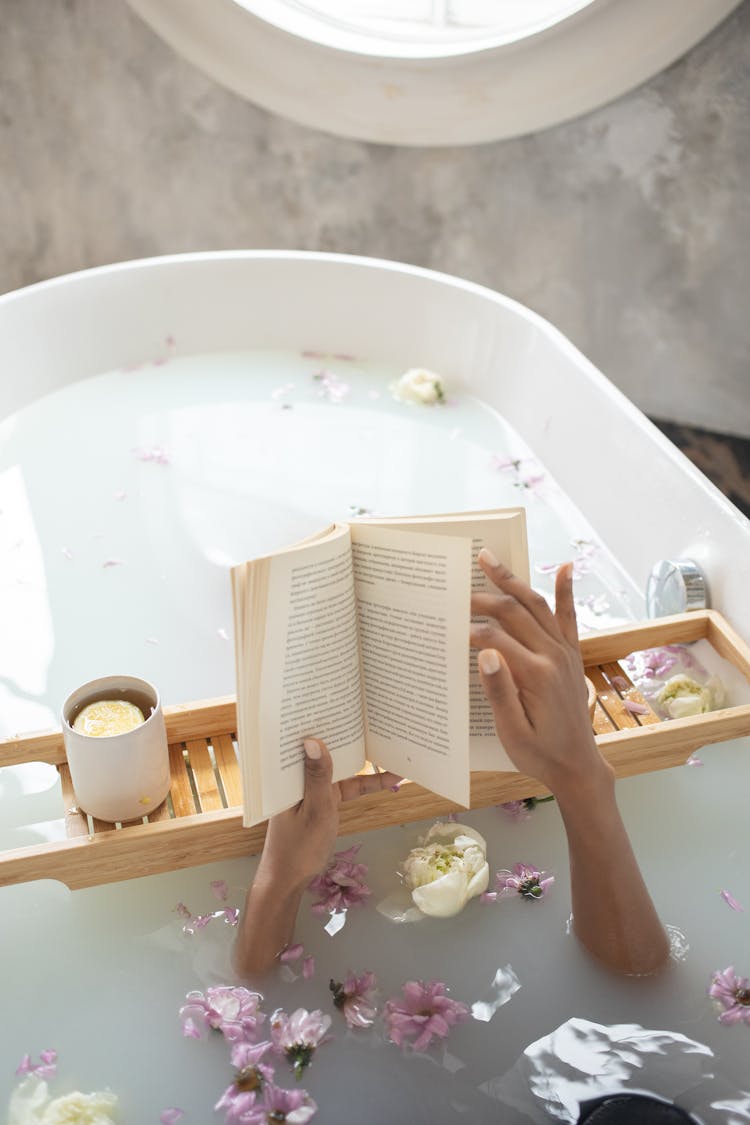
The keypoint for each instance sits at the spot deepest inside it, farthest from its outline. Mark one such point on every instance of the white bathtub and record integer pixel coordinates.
(116, 956)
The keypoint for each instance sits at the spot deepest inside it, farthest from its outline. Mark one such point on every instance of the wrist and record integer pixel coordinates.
(586, 791)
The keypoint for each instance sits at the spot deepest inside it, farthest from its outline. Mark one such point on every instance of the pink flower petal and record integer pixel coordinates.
(291, 953)
(112, 562)
(634, 707)
(693, 760)
(220, 889)
(308, 967)
(619, 682)
(232, 916)
(171, 1116)
(731, 901)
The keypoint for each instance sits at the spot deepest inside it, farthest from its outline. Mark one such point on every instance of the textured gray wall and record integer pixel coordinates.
(629, 228)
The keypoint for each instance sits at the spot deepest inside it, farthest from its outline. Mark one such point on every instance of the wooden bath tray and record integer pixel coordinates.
(201, 820)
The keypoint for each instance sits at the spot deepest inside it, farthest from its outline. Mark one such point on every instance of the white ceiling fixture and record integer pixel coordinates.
(432, 72)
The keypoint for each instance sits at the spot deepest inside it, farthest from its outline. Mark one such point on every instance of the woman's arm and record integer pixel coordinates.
(531, 670)
(297, 847)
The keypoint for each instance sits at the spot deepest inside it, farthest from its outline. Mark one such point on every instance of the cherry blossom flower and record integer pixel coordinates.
(330, 386)
(234, 1011)
(342, 884)
(731, 901)
(422, 1013)
(171, 1115)
(516, 810)
(293, 1107)
(45, 1068)
(355, 998)
(250, 1079)
(112, 562)
(156, 455)
(308, 967)
(732, 994)
(220, 889)
(524, 879)
(298, 1035)
(505, 464)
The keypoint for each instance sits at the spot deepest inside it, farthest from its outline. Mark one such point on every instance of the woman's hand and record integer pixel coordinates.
(297, 847)
(299, 841)
(532, 674)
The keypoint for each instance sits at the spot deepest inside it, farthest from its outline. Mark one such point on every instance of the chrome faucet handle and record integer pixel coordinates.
(675, 586)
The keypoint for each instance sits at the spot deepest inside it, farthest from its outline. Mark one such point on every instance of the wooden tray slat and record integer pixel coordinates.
(76, 823)
(610, 700)
(179, 835)
(180, 791)
(203, 775)
(631, 692)
(229, 769)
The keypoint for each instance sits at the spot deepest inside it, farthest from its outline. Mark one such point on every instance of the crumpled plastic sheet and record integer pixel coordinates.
(582, 1060)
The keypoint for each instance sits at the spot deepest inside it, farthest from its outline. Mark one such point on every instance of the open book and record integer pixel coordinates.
(360, 636)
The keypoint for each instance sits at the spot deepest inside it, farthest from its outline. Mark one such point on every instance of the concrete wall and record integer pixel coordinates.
(629, 228)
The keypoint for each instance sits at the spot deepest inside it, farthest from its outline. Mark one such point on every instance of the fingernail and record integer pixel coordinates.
(486, 556)
(312, 748)
(489, 661)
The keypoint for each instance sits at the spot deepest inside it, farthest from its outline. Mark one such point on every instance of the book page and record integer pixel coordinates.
(504, 533)
(307, 650)
(413, 611)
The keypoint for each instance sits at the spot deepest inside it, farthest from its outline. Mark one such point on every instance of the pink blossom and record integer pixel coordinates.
(516, 810)
(694, 761)
(232, 916)
(46, 1067)
(156, 455)
(342, 884)
(422, 1013)
(308, 967)
(234, 1011)
(330, 386)
(182, 910)
(298, 1035)
(634, 707)
(171, 1116)
(731, 901)
(533, 482)
(505, 464)
(524, 880)
(251, 1077)
(732, 994)
(112, 562)
(620, 683)
(220, 889)
(291, 953)
(293, 1107)
(355, 998)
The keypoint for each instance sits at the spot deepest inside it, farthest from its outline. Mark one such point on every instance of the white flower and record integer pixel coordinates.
(448, 869)
(418, 385)
(30, 1105)
(682, 696)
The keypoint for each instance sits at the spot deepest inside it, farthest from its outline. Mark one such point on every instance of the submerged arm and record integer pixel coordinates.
(532, 675)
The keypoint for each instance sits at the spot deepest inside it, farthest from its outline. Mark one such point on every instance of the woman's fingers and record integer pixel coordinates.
(565, 610)
(511, 721)
(507, 582)
(515, 620)
(364, 783)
